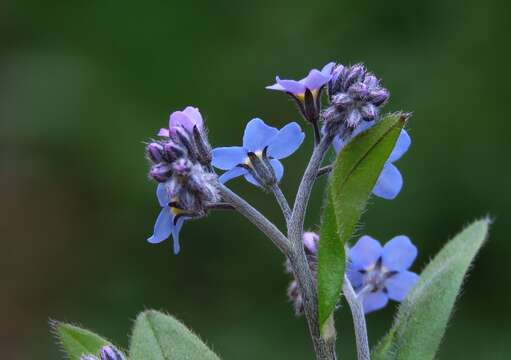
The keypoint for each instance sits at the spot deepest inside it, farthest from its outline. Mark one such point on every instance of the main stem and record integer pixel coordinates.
(359, 320)
(324, 348)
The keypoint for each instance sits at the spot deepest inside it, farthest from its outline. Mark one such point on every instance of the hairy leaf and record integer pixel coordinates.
(354, 174)
(422, 317)
(76, 341)
(157, 336)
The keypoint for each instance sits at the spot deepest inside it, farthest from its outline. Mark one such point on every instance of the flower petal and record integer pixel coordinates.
(179, 118)
(195, 116)
(399, 253)
(231, 174)
(251, 179)
(287, 141)
(402, 145)
(278, 168)
(164, 132)
(163, 195)
(389, 182)
(162, 227)
(327, 69)
(175, 234)
(315, 80)
(400, 284)
(226, 158)
(374, 301)
(365, 253)
(291, 86)
(258, 135)
(355, 276)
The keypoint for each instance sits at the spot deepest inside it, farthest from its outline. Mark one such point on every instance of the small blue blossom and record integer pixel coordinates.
(390, 181)
(307, 91)
(379, 273)
(260, 142)
(169, 221)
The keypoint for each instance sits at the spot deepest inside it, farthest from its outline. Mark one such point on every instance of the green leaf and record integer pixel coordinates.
(355, 172)
(157, 336)
(423, 316)
(76, 341)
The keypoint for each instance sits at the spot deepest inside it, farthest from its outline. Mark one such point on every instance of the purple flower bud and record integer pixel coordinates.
(109, 352)
(371, 81)
(160, 172)
(173, 151)
(358, 91)
(182, 167)
(342, 100)
(353, 119)
(88, 357)
(369, 112)
(155, 152)
(353, 75)
(310, 241)
(378, 96)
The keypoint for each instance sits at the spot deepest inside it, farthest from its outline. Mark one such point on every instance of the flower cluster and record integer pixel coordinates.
(376, 273)
(355, 95)
(107, 352)
(258, 159)
(181, 164)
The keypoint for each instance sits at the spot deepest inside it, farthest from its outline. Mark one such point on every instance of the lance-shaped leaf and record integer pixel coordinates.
(354, 174)
(76, 341)
(157, 336)
(422, 317)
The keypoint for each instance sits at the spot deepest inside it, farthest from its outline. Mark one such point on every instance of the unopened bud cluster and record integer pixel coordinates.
(182, 161)
(355, 95)
(311, 243)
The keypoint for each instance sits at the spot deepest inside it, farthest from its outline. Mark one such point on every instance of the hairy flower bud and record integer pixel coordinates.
(155, 152)
(355, 95)
(109, 352)
(161, 172)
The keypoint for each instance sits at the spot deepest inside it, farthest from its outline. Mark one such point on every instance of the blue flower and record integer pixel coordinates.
(381, 273)
(169, 221)
(390, 181)
(267, 143)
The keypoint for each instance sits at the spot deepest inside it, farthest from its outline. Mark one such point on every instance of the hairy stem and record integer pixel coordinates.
(359, 320)
(325, 349)
(324, 170)
(281, 199)
(256, 218)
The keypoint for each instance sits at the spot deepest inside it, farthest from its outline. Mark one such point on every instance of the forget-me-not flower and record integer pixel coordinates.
(169, 221)
(390, 181)
(306, 92)
(261, 144)
(379, 273)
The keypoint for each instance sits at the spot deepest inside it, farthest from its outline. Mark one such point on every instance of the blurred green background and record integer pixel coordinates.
(84, 83)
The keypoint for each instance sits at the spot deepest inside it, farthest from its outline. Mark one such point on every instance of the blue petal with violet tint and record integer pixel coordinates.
(163, 195)
(291, 86)
(399, 253)
(175, 234)
(374, 301)
(231, 174)
(286, 142)
(162, 227)
(365, 253)
(389, 182)
(278, 168)
(400, 284)
(315, 79)
(251, 179)
(225, 158)
(355, 276)
(258, 135)
(403, 143)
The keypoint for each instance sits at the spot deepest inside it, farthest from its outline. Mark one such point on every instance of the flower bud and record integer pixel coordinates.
(155, 152)
(88, 357)
(109, 352)
(353, 75)
(181, 167)
(160, 172)
(378, 96)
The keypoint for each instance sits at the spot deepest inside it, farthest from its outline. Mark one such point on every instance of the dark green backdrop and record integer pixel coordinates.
(84, 83)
